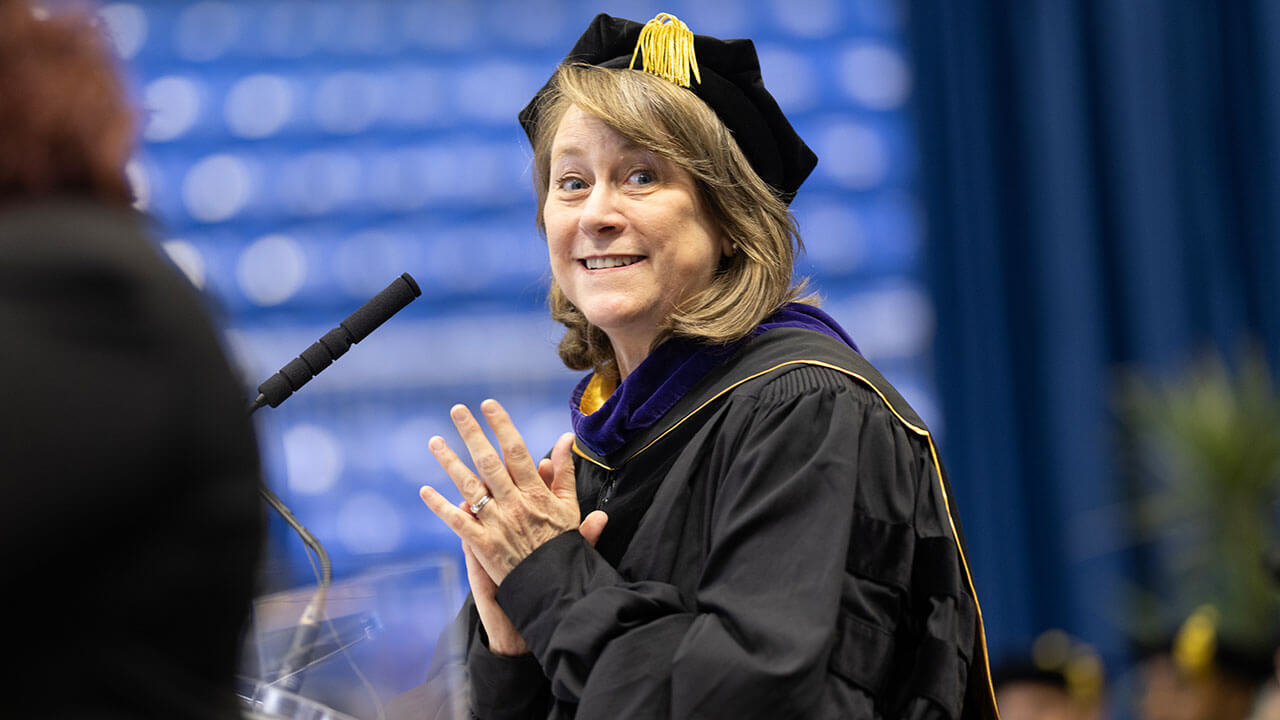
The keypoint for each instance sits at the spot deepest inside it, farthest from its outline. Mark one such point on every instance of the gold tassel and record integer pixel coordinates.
(1197, 642)
(666, 50)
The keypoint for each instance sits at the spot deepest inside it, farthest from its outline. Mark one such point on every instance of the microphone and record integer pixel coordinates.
(336, 342)
(276, 390)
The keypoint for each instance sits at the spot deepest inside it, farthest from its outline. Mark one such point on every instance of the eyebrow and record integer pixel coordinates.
(566, 151)
(576, 150)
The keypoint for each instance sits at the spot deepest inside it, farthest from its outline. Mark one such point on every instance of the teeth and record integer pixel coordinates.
(610, 262)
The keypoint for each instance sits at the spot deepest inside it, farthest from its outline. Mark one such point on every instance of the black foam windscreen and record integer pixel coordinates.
(382, 306)
(335, 343)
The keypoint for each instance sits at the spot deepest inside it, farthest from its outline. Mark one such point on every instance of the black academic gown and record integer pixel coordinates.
(130, 526)
(782, 544)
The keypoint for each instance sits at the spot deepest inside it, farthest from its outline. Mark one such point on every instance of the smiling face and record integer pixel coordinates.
(627, 235)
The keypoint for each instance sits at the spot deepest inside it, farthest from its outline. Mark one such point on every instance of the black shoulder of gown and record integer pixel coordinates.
(131, 528)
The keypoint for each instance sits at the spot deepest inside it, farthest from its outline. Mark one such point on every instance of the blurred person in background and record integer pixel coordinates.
(747, 521)
(1027, 692)
(1060, 678)
(1268, 704)
(1202, 676)
(131, 528)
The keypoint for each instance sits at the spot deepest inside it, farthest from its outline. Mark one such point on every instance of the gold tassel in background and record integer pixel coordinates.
(666, 50)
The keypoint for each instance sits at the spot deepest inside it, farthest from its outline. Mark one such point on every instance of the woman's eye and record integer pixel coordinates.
(572, 183)
(641, 177)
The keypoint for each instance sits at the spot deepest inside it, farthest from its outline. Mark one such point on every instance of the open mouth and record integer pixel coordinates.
(613, 261)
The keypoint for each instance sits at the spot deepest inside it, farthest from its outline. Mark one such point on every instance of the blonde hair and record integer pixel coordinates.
(670, 121)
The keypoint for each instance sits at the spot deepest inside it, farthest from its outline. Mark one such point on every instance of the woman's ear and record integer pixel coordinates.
(728, 247)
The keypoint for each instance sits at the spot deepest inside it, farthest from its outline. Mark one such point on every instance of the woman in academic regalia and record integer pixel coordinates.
(747, 521)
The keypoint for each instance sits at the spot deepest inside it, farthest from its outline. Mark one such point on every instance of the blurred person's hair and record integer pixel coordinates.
(670, 121)
(66, 124)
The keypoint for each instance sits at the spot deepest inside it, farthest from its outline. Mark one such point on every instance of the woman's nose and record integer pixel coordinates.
(600, 213)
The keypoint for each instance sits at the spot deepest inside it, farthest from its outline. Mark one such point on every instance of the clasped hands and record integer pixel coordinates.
(532, 503)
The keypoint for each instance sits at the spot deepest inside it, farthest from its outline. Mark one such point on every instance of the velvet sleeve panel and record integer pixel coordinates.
(781, 472)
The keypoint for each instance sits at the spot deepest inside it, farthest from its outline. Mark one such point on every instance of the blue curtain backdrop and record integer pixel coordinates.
(1100, 181)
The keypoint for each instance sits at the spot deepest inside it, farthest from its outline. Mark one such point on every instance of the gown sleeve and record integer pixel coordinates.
(504, 688)
(755, 639)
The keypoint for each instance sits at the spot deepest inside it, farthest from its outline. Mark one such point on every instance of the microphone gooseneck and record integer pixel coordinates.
(298, 655)
(336, 342)
(277, 389)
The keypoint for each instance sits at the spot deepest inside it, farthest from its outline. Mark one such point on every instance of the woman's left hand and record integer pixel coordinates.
(524, 511)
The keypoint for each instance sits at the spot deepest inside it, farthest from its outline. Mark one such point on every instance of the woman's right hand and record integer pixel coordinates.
(504, 639)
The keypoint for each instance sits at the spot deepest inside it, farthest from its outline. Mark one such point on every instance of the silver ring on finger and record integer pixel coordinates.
(477, 505)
